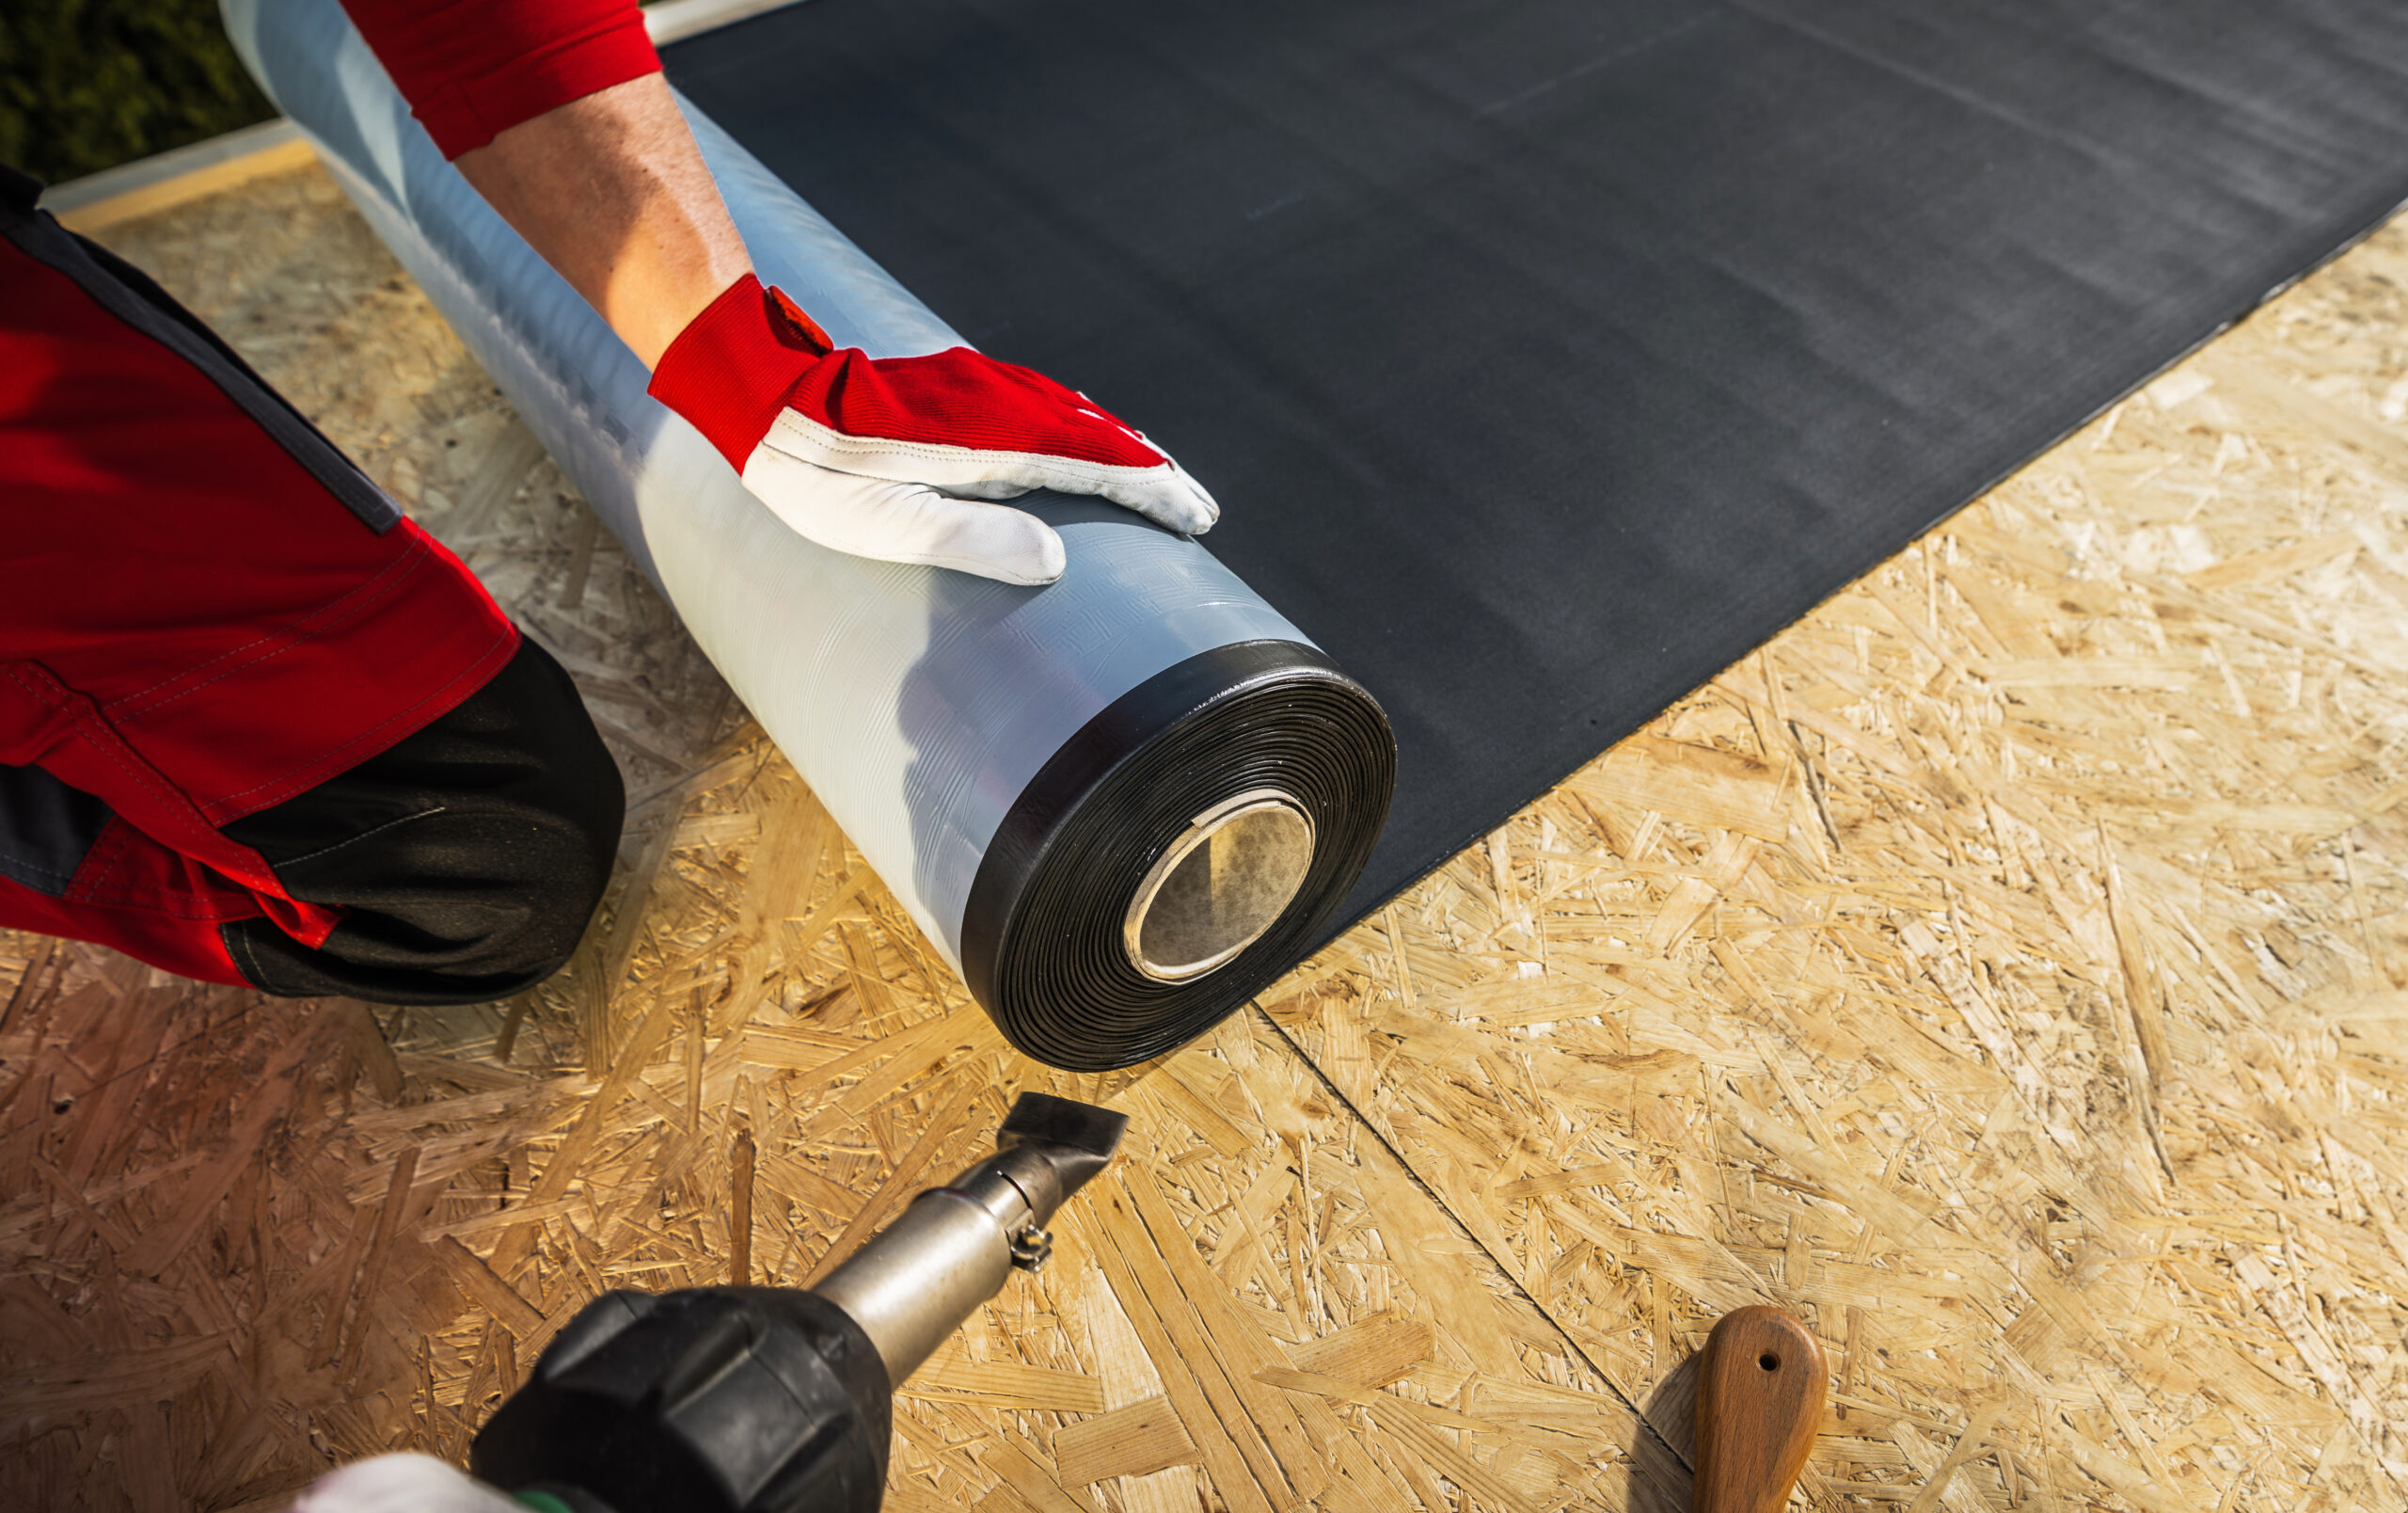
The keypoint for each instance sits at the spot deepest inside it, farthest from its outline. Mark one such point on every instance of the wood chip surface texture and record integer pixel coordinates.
(2003, 969)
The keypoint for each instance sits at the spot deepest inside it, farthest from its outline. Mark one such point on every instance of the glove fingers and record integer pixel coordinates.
(1166, 495)
(1171, 499)
(1163, 492)
(905, 522)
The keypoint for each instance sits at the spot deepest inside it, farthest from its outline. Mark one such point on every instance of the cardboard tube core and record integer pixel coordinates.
(1220, 885)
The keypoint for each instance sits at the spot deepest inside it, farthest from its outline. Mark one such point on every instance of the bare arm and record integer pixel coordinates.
(556, 113)
(613, 191)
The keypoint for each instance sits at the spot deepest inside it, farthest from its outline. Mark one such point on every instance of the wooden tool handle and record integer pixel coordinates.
(1759, 1401)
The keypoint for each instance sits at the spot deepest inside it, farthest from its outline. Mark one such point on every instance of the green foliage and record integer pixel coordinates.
(86, 84)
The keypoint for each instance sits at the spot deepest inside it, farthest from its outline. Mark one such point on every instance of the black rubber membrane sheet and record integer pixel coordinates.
(1549, 356)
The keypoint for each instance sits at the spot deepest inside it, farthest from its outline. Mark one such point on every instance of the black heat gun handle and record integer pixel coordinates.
(778, 1400)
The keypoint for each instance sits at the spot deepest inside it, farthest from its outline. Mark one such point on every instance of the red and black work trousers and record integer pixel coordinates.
(255, 726)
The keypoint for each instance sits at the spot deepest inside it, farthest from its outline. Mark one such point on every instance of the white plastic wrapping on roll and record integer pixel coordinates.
(1030, 770)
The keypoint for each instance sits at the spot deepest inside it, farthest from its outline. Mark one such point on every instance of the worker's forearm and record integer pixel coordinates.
(612, 190)
(556, 111)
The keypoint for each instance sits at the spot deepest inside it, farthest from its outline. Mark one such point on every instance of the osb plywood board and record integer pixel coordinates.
(1998, 970)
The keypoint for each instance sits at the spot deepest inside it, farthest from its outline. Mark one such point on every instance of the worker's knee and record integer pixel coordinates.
(466, 858)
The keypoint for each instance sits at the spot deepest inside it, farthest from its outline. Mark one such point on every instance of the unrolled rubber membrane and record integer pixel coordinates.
(1013, 762)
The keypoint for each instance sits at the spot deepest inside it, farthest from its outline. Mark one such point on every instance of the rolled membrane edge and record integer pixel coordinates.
(1049, 944)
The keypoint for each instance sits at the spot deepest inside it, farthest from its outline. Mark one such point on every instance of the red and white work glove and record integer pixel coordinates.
(894, 457)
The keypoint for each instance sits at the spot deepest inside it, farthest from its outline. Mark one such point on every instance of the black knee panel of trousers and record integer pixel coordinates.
(466, 858)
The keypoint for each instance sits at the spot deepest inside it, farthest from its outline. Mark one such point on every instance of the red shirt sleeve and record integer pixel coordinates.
(472, 68)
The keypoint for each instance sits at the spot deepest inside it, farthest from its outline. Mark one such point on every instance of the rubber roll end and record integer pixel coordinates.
(1184, 848)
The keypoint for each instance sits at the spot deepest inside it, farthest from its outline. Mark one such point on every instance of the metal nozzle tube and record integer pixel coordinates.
(956, 1246)
(921, 1277)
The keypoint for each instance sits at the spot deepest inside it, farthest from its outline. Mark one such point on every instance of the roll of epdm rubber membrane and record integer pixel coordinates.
(1120, 803)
